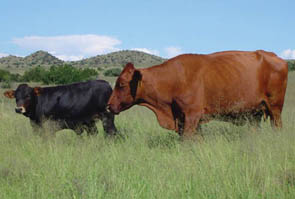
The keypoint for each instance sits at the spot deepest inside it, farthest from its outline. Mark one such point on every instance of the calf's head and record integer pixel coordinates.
(125, 92)
(24, 97)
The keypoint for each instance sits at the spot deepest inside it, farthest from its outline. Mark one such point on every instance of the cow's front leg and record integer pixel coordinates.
(107, 119)
(36, 127)
(191, 124)
(75, 126)
(91, 128)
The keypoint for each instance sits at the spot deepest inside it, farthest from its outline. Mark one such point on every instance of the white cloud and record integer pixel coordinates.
(3, 55)
(173, 51)
(288, 54)
(69, 57)
(149, 51)
(70, 47)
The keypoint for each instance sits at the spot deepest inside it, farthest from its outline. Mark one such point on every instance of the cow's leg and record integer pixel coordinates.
(274, 109)
(107, 119)
(77, 127)
(37, 128)
(91, 128)
(187, 118)
(276, 89)
(275, 117)
(191, 123)
(255, 119)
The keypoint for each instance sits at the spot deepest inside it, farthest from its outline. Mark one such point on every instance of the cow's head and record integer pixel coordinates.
(125, 92)
(24, 97)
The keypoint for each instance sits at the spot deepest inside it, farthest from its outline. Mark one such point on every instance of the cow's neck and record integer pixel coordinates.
(148, 89)
(32, 109)
(149, 96)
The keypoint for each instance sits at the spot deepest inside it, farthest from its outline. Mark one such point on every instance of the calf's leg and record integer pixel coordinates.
(91, 128)
(107, 119)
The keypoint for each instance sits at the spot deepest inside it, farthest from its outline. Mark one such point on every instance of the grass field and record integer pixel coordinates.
(146, 161)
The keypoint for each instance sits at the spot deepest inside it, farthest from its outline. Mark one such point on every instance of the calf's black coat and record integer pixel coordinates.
(74, 106)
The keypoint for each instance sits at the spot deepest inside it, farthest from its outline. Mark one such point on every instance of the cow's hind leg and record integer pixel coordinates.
(107, 119)
(276, 90)
(275, 117)
(274, 110)
(255, 119)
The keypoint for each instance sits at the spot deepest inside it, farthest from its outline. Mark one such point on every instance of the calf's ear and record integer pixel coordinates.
(38, 91)
(9, 94)
(135, 83)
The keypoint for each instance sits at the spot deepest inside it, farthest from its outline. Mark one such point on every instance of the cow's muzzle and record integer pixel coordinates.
(111, 109)
(20, 109)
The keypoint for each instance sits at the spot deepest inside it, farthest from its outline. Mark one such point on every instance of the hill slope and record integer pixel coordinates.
(115, 59)
(120, 58)
(42, 58)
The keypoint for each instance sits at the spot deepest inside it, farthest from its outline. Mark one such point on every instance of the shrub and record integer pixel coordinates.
(291, 65)
(59, 74)
(4, 75)
(6, 84)
(112, 72)
(7, 76)
(36, 74)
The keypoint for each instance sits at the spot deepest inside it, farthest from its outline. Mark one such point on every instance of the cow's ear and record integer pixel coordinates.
(9, 94)
(38, 91)
(129, 68)
(135, 83)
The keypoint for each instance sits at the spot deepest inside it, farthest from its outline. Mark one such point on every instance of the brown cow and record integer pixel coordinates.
(191, 88)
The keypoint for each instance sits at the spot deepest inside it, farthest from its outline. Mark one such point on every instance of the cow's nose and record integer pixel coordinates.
(18, 110)
(113, 109)
(108, 107)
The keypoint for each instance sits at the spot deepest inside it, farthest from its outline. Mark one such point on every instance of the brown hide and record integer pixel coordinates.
(192, 88)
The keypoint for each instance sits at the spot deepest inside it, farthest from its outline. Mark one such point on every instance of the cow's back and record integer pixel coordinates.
(241, 81)
(226, 81)
(79, 101)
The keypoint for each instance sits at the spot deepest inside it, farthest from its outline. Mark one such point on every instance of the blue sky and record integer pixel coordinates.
(73, 30)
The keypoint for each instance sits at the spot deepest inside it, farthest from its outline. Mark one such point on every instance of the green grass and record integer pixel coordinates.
(146, 161)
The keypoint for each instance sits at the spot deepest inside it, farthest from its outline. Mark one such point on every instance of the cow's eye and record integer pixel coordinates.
(121, 85)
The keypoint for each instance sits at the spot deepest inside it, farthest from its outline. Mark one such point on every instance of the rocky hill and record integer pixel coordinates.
(115, 59)
(41, 58)
(120, 58)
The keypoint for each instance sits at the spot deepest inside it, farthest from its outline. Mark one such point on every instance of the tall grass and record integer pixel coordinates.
(146, 161)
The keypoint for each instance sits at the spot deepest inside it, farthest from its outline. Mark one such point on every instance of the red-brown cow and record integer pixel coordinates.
(192, 88)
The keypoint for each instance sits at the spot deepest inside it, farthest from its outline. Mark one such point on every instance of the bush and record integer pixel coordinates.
(112, 72)
(59, 74)
(36, 74)
(6, 84)
(291, 65)
(6, 76)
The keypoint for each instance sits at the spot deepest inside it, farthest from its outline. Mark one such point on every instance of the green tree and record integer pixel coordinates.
(112, 72)
(59, 74)
(68, 74)
(35, 74)
(291, 65)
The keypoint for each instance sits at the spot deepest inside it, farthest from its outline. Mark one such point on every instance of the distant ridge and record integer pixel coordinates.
(42, 58)
(115, 59)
